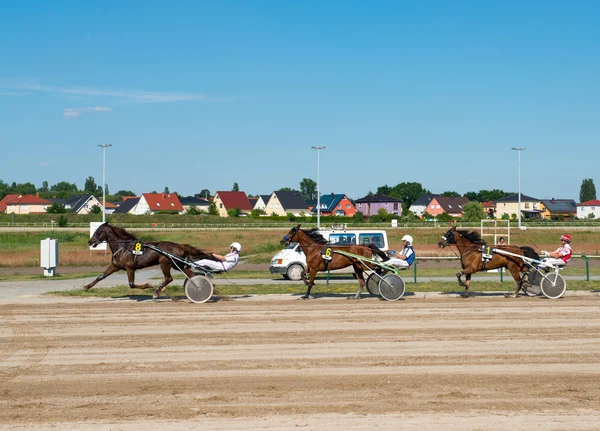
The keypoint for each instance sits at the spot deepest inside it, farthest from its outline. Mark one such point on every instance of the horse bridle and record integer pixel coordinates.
(287, 239)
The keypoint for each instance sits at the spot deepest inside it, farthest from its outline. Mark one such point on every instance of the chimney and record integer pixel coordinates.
(37, 194)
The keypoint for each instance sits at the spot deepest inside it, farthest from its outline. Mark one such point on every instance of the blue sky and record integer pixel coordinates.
(200, 94)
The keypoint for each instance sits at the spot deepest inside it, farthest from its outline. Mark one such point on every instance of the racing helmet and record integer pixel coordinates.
(237, 246)
(408, 239)
(566, 237)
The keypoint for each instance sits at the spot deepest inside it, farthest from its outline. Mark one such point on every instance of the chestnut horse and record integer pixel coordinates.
(124, 246)
(471, 246)
(313, 245)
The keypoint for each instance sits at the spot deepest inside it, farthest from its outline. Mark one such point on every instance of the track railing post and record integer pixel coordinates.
(415, 271)
(587, 268)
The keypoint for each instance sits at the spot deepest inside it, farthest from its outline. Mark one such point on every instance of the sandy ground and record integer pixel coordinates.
(274, 362)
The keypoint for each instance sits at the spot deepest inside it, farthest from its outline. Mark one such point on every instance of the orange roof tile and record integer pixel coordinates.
(163, 201)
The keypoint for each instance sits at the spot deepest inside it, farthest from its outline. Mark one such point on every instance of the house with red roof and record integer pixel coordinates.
(28, 204)
(225, 201)
(152, 203)
(490, 209)
(445, 204)
(589, 209)
(6, 199)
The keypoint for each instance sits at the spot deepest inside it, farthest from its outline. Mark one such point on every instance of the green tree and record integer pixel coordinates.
(96, 209)
(62, 221)
(450, 194)
(64, 189)
(91, 187)
(358, 217)
(25, 189)
(473, 212)
(408, 192)
(235, 188)
(287, 189)
(4, 189)
(56, 209)
(308, 189)
(234, 212)
(119, 195)
(44, 187)
(587, 191)
(212, 209)
(444, 217)
(167, 190)
(204, 194)
(193, 210)
(290, 216)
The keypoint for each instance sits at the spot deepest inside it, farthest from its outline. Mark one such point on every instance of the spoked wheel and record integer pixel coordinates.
(198, 289)
(373, 284)
(391, 287)
(553, 286)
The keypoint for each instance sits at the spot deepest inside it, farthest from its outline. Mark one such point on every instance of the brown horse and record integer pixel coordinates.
(471, 246)
(126, 255)
(313, 245)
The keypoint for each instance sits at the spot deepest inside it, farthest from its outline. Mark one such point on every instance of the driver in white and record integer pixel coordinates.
(225, 263)
(406, 256)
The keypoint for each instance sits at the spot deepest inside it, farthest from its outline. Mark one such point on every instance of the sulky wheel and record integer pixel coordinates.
(391, 287)
(553, 286)
(535, 279)
(373, 284)
(198, 289)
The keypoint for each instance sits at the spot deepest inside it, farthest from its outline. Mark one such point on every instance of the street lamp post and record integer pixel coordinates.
(518, 150)
(318, 181)
(104, 147)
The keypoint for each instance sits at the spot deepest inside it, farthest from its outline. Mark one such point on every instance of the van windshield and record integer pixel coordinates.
(291, 245)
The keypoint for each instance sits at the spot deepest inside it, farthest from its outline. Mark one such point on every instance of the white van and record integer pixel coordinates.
(291, 261)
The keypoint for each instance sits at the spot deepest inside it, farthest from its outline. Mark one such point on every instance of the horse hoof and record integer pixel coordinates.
(354, 297)
(86, 288)
(465, 295)
(510, 295)
(304, 297)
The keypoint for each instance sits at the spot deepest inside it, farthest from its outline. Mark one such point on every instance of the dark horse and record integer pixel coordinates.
(123, 245)
(313, 245)
(471, 246)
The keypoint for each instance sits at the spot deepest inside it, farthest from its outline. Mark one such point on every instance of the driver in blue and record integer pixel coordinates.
(225, 263)
(406, 256)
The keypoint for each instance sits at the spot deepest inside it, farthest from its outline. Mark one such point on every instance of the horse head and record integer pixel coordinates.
(448, 238)
(289, 237)
(99, 235)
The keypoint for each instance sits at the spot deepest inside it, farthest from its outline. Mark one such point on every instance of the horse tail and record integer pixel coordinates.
(530, 253)
(378, 252)
(192, 253)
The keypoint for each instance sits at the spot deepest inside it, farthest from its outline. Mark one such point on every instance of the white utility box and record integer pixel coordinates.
(49, 256)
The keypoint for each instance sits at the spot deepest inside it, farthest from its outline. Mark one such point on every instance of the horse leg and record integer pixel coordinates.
(303, 276)
(310, 284)
(514, 271)
(165, 267)
(131, 279)
(467, 284)
(108, 271)
(358, 271)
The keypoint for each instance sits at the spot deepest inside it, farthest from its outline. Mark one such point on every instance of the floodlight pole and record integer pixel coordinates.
(318, 184)
(104, 147)
(518, 150)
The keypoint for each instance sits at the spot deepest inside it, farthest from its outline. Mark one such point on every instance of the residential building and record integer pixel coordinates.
(370, 205)
(28, 204)
(509, 205)
(82, 204)
(334, 204)
(151, 203)
(589, 209)
(558, 208)
(192, 201)
(110, 206)
(225, 201)
(444, 204)
(8, 198)
(490, 209)
(127, 206)
(419, 206)
(280, 203)
(261, 202)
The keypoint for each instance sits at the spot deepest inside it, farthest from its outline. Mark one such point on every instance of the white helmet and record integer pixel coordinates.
(237, 246)
(408, 239)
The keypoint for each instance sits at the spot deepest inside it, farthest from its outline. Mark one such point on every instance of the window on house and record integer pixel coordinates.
(220, 205)
(432, 206)
(172, 204)
(437, 207)
(450, 206)
(157, 204)
(526, 204)
(347, 206)
(395, 206)
(340, 206)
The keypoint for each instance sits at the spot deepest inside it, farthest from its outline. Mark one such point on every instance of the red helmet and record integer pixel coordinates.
(566, 237)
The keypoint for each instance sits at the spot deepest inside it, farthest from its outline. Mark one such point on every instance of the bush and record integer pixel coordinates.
(62, 221)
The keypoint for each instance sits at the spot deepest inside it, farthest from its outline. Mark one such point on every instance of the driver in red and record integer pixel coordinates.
(562, 255)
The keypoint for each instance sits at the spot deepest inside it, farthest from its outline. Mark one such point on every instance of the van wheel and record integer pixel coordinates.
(294, 272)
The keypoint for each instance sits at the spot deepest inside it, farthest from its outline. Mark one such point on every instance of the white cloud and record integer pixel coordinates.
(131, 96)
(43, 164)
(77, 112)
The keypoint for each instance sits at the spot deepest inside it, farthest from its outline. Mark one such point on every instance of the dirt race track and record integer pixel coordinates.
(433, 363)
